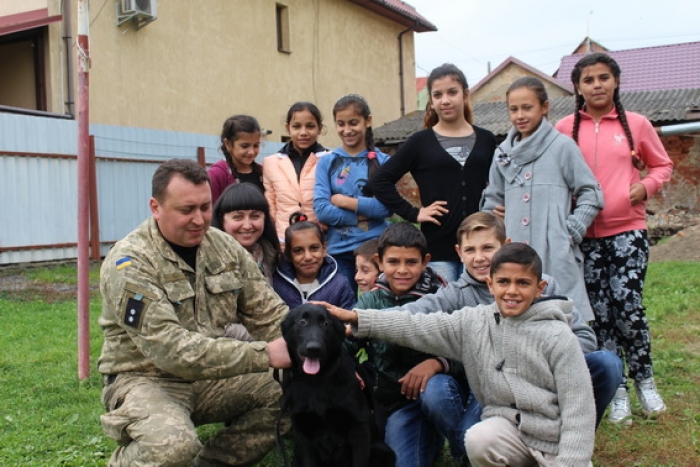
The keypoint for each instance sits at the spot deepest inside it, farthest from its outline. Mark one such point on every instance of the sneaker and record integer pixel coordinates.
(649, 397)
(619, 410)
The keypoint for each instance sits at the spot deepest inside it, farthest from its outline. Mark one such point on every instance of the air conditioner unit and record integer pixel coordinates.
(140, 7)
(141, 12)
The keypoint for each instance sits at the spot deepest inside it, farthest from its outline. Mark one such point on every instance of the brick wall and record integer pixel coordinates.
(682, 193)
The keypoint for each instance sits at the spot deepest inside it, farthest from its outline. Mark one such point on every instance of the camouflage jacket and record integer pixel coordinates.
(161, 318)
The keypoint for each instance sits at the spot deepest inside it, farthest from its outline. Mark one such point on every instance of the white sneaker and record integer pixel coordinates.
(649, 397)
(619, 410)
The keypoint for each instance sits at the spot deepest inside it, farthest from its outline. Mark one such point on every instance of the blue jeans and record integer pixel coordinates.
(449, 270)
(413, 438)
(346, 266)
(452, 408)
(605, 368)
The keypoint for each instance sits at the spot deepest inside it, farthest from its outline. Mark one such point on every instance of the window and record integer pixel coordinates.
(282, 16)
(23, 75)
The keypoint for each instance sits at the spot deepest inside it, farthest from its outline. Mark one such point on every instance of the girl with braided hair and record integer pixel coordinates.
(342, 198)
(618, 145)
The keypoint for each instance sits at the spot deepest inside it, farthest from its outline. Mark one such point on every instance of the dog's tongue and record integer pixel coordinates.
(311, 366)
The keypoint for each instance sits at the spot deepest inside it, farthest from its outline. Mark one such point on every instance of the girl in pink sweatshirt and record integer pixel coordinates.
(618, 146)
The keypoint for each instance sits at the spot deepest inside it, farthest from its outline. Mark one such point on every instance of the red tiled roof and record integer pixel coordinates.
(675, 66)
(398, 11)
(421, 83)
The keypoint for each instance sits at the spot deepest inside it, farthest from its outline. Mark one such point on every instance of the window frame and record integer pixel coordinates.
(282, 28)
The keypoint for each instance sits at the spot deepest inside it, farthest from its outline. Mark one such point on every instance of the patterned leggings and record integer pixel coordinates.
(614, 271)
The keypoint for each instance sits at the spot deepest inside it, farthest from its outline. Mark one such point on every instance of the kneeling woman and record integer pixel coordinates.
(243, 212)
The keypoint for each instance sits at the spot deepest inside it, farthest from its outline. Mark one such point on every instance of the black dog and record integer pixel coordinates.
(332, 418)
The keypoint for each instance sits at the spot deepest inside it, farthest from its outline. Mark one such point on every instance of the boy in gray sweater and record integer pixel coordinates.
(521, 359)
(479, 237)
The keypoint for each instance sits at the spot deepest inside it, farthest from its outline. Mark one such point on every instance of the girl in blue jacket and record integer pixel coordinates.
(342, 199)
(306, 272)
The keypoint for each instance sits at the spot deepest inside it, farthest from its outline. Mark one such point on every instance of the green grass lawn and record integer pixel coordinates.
(49, 418)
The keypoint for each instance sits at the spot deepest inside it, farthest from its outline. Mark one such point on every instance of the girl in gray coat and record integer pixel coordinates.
(542, 186)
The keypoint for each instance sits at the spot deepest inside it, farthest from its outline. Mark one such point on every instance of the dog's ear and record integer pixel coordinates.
(288, 322)
(338, 326)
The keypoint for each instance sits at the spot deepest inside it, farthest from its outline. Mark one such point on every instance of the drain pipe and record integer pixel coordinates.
(681, 128)
(401, 83)
(68, 38)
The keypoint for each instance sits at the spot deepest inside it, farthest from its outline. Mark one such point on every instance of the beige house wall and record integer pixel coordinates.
(13, 7)
(495, 89)
(201, 62)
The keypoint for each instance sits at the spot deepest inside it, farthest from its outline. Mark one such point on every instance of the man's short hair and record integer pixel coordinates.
(517, 253)
(482, 221)
(402, 234)
(367, 250)
(189, 169)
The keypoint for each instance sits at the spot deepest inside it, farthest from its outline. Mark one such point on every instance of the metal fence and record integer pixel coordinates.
(39, 181)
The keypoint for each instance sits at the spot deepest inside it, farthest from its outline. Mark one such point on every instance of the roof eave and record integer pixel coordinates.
(382, 8)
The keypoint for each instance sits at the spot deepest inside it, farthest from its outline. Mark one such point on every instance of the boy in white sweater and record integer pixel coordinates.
(522, 361)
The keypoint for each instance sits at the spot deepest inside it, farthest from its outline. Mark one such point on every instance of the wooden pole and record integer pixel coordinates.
(94, 205)
(201, 157)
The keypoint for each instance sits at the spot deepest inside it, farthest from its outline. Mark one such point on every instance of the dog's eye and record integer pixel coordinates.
(302, 322)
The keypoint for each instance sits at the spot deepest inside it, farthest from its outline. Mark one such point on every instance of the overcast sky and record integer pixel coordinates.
(473, 33)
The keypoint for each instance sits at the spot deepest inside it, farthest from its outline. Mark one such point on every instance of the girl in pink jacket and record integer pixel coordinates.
(618, 145)
(289, 175)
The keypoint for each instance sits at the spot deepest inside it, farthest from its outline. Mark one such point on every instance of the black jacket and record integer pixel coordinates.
(439, 177)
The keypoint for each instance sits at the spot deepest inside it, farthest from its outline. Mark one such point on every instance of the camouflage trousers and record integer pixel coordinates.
(153, 420)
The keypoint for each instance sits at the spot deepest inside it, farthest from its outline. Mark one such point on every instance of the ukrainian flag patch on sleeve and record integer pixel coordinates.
(123, 262)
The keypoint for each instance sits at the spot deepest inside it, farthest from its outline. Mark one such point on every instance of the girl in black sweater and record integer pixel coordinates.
(449, 161)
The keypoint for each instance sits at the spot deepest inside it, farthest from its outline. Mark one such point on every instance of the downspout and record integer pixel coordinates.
(679, 129)
(68, 38)
(401, 83)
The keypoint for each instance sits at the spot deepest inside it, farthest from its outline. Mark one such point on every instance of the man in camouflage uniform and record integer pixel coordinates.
(169, 290)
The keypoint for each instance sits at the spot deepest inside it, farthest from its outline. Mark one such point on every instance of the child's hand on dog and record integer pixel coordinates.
(278, 354)
(414, 382)
(346, 316)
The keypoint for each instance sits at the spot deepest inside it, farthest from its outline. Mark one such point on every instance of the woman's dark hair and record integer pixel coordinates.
(443, 71)
(301, 106)
(243, 197)
(605, 59)
(231, 131)
(298, 222)
(362, 108)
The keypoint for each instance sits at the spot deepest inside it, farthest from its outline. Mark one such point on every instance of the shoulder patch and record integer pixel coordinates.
(123, 262)
(134, 310)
